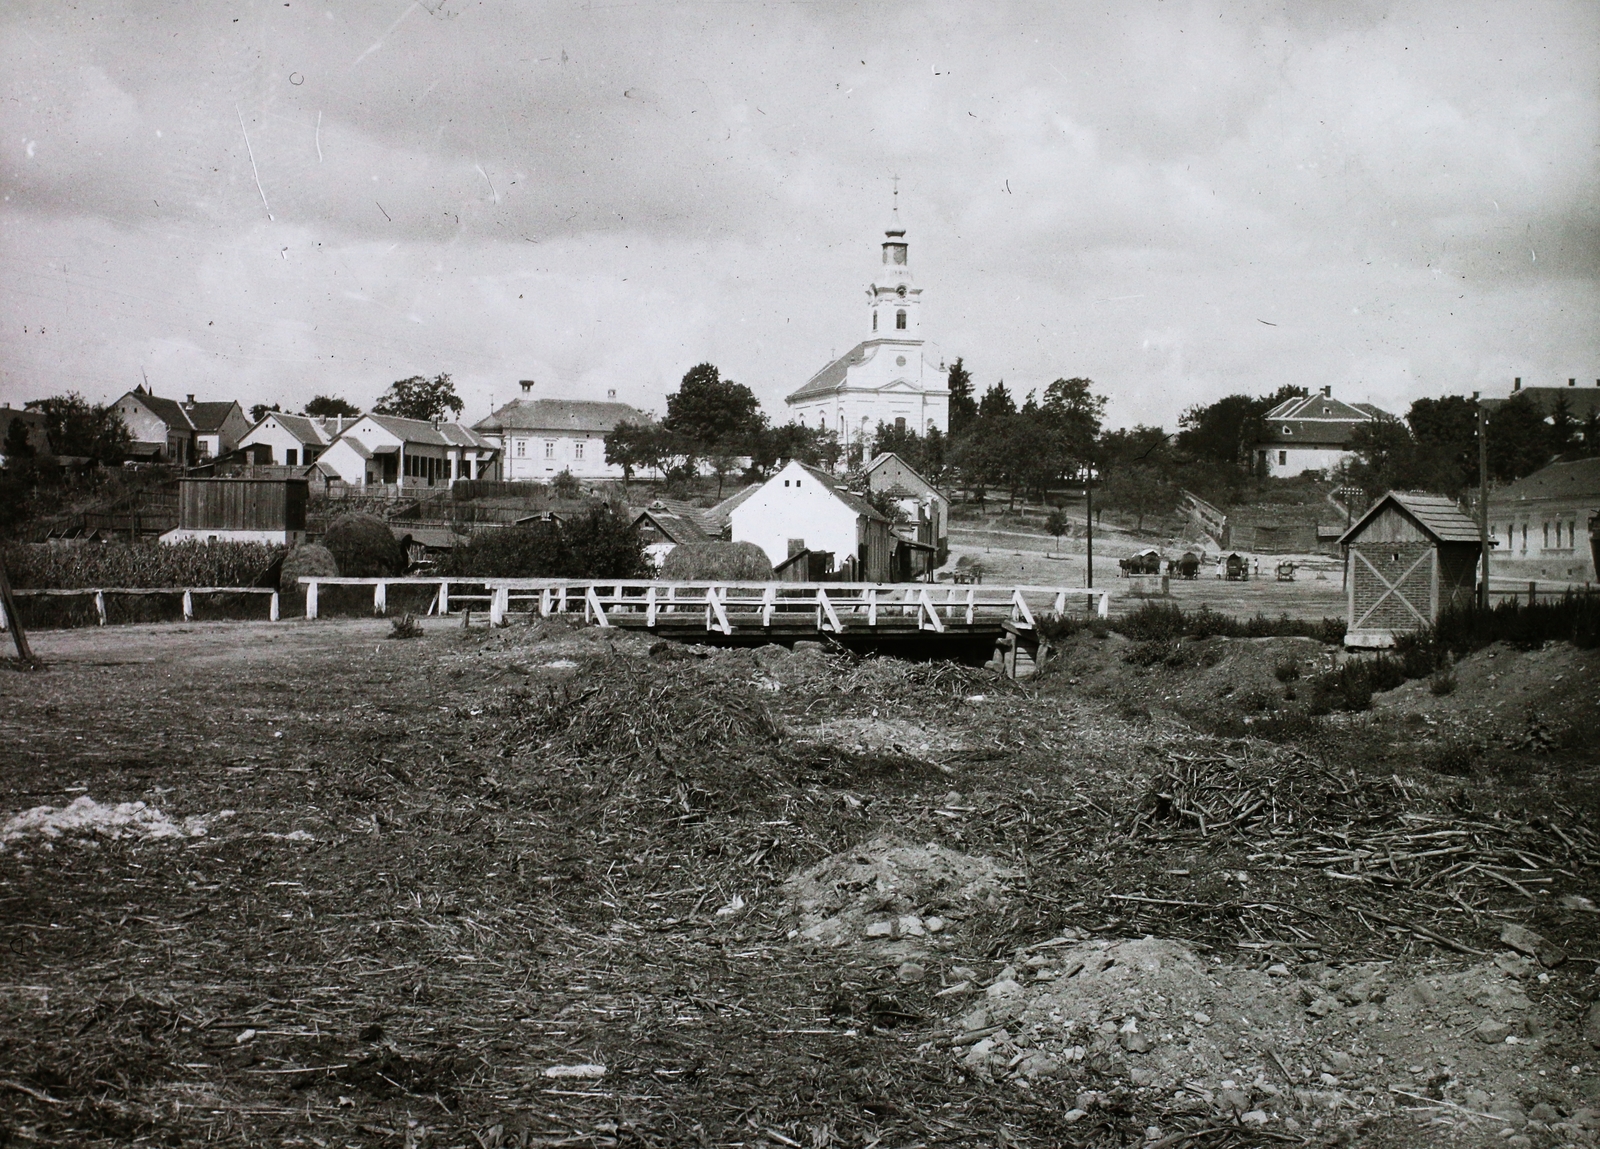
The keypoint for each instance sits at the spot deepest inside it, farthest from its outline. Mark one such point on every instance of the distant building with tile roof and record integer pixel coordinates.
(1547, 524)
(1581, 401)
(1311, 433)
(167, 431)
(540, 438)
(892, 377)
(408, 454)
(293, 440)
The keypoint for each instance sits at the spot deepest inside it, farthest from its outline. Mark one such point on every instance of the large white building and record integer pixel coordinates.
(540, 438)
(891, 377)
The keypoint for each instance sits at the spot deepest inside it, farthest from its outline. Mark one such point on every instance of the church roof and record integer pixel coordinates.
(832, 377)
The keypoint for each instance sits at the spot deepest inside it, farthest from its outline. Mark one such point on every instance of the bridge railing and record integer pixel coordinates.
(830, 607)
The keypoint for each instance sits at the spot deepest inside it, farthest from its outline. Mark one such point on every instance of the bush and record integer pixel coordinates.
(406, 626)
(1287, 670)
(732, 562)
(73, 565)
(1156, 621)
(1352, 685)
(598, 544)
(307, 559)
(365, 547)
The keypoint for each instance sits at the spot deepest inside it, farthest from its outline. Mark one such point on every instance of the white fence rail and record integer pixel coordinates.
(830, 607)
(188, 593)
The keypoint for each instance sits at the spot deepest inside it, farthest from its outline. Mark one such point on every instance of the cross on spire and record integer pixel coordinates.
(896, 180)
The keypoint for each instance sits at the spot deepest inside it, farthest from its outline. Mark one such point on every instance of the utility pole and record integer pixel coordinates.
(1483, 503)
(1088, 530)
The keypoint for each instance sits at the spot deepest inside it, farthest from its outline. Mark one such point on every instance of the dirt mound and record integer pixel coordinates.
(895, 897)
(895, 735)
(1496, 688)
(85, 818)
(1277, 1046)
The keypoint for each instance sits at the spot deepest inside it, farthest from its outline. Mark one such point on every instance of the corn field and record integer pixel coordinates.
(78, 565)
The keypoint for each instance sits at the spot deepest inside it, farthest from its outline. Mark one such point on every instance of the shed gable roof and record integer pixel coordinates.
(1438, 517)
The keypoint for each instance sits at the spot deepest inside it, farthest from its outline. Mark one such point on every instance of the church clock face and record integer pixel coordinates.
(901, 290)
(900, 361)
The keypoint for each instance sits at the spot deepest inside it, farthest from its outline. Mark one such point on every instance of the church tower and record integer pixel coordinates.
(889, 378)
(895, 302)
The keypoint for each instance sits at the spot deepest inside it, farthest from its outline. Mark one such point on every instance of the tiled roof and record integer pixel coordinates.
(1579, 479)
(169, 411)
(830, 378)
(560, 415)
(715, 520)
(208, 417)
(679, 528)
(849, 498)
(1581, 401)
(1320, 406)
(1316, 421)
(422, 431)
(1438, 516)
(302, 427)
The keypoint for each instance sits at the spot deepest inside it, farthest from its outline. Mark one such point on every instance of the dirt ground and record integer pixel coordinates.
(305, 884)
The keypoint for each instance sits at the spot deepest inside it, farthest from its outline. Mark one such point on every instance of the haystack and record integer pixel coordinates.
(364, 547)
(732, 562)
(307, 559)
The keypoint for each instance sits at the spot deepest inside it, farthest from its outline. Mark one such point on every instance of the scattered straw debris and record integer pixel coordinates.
(85, 818)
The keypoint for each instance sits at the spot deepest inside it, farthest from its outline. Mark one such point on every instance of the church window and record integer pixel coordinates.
(900, 425)
(1547, 536)
(874, 321)
(899, 253)
(900, 320)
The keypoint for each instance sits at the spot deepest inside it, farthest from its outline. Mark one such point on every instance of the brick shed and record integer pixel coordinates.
(1408, 558)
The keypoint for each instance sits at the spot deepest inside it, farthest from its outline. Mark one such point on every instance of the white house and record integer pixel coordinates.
(293, 440)
(386, 450)
(892, 377)
(165, 430)
(802, 508)
(1313, 433)
(540, 438)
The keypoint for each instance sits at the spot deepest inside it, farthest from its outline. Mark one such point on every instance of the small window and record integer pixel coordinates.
(522, 448)
(786, 482)
(1283, 458)
(549, 449)
(577, 450)
(291, 457)
(900, 320)
(1547, 536)
(1288, 430)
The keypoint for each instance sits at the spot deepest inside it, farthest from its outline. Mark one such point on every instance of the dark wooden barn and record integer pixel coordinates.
(1408, 558)
(241, 510)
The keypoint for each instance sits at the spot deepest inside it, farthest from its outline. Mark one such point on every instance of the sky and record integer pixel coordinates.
(268, 200)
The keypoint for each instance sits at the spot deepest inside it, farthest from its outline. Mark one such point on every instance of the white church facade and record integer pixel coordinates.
(891, 377)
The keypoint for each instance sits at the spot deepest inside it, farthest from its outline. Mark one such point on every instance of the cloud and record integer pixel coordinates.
(601, 198)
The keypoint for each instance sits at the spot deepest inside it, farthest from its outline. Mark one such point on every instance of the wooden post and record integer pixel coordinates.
(380, 597)
(188, 606)
(499, 599)
(444, 597)
(272, 607)
(311, 599)
(8, 615)
(1088, 532)
(1483, 504)
(100, 605)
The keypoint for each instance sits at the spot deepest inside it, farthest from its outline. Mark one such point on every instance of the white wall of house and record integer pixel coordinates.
(1287, 462)
(281, 441)
(271, 538)
(349, 464)
(795, 505)
(541, 455)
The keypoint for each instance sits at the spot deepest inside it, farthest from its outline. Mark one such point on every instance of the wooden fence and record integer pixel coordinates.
(723, 606)
(188, 594)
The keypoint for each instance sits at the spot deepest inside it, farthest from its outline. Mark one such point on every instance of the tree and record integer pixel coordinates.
(77, 427)
(420, 398)
(713, 412)
(963, 407)
(327, 406)
(637, 447)
(1138, 489)
(260, 411)
(17, 449)
(566, 485)
(1519, 438)
(1563, 427)
(1057, 525)
(772, 446)
(997, 402)
(1227, 430)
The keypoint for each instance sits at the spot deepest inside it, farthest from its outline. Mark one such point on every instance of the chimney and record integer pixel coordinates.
(1475, 396)
(1327, 391)
(611, 394)
(190, 403)
(527, 385)
(1572, 382)
(1516, 384)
